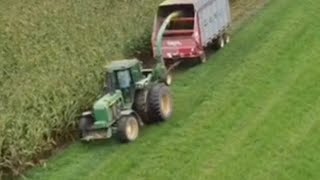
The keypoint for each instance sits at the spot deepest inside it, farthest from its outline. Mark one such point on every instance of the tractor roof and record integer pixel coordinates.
(122, 64)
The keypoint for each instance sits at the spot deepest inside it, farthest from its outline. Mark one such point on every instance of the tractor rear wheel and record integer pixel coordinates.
(140, 105)
(128, 128)
(160, 103)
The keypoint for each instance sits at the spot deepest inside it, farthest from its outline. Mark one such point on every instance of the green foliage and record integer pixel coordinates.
(140, 45)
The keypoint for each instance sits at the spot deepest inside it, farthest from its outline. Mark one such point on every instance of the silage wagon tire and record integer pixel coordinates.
(140, 105)
(226, 38)
(203, 59)
(221, 42)
(160, 103)
(128, 128)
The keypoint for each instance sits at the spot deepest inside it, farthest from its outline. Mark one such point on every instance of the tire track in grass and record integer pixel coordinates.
(271, 103)
(234, 144)
(305, 78)
(285, 135)
(237, 136)
(307, 89)
(304, 162)
(141, 163)
(296, 138)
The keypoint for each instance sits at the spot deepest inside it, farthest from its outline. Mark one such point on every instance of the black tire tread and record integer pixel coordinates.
(84, 124)
(154, 102)
(140, 105)
(122, 125)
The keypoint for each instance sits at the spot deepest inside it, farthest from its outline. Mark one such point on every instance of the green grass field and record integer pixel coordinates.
(252, 112)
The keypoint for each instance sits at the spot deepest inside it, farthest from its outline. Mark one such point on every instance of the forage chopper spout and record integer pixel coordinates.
(161, 31)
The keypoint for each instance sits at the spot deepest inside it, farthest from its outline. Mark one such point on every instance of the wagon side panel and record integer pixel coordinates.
(215, 22)
(224, 13)
(206, 17)
(214, 17)
(228, 12)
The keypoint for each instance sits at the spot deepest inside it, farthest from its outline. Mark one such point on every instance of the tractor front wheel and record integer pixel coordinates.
(128, 128)
(84, 125)
(160, 103)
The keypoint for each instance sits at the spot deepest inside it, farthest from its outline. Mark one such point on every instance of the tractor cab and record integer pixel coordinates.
(123, 75)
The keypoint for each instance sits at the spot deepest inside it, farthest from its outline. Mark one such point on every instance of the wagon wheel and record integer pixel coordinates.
(203, 58)
(226, 38)
(221, 42)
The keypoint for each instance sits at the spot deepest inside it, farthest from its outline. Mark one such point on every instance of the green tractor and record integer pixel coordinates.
(133, 96)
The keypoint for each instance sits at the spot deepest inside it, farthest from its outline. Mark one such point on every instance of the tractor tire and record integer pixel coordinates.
(128, 128)
(160, 103)
(140, 105)
(85, 123)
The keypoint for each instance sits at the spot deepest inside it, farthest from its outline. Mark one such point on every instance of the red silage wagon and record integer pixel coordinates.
(202, 22)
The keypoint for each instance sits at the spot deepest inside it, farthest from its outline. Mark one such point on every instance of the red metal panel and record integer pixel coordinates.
(198, 31)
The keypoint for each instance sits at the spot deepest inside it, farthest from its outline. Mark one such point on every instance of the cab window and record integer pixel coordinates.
(124, 79)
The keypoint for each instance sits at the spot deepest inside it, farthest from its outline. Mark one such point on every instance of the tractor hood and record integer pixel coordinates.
(102, 108)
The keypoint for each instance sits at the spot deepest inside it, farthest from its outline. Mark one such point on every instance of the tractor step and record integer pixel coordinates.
(98, 135)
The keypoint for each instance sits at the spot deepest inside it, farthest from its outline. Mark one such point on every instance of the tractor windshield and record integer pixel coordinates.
(124, 79)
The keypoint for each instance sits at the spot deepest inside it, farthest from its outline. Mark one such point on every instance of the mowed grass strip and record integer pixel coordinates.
(250, 113)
